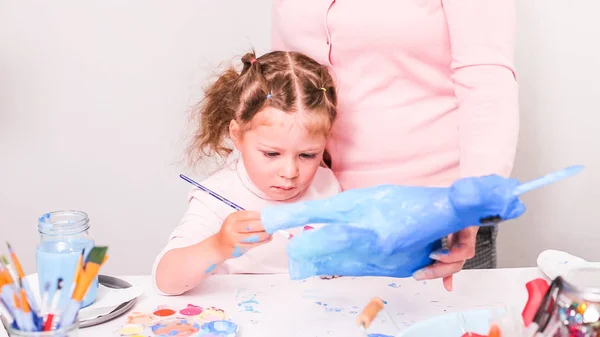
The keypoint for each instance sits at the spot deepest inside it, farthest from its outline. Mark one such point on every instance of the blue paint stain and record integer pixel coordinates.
(393, 285)
(237, 252)
(252, 239)
(248, 305)
(378, 335)
(211, 268)
(384, 302)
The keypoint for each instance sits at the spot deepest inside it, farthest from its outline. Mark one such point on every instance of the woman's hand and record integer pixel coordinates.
(240, 232)
(449, 262)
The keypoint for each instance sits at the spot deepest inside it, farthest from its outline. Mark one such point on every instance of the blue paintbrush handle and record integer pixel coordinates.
(214, 194)
(68, 316)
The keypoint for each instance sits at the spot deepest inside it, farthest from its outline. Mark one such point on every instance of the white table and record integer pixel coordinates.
(297, 308)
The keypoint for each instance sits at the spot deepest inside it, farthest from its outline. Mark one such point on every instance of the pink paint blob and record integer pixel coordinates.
(308, 228)
(191, 310)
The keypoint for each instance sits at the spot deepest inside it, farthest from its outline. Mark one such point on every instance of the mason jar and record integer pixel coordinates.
(64, 235)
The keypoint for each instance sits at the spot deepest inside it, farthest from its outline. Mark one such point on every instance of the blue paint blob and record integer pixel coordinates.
(237, 252)
(219, 328)
(378, 335)
(384, 302)
(252, 239)
(393, 285)
(211, 268)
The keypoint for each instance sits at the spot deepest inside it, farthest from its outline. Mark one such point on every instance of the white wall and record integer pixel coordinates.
(94, 97)
(559, 70)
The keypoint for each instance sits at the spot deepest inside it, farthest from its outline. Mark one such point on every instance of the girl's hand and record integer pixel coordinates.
(240, 232)
(462, 248)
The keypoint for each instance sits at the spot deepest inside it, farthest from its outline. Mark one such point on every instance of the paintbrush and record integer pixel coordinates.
(53, 306)
(28, 319)
(8, 309)
(12, 276)
(78, 269)
(6, 289)
(224, 200)
(370, 312)
(44, 306)
(21, 276)
(92, 267)
(18, 316)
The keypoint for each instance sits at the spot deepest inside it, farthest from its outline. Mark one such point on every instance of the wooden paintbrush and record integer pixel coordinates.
(92, 267)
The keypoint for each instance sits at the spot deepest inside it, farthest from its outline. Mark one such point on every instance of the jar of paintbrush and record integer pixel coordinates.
(64, 244)
(24, 314)
(70, 331)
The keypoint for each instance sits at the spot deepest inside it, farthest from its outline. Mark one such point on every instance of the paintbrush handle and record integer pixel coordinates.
(68, 316)
(214, 194)
(368, 314)
(31, 299)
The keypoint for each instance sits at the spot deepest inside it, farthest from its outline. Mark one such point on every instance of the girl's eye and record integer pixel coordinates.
(308, 155)
(270, 154)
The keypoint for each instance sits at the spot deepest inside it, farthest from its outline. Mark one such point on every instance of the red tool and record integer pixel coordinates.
(536, 290)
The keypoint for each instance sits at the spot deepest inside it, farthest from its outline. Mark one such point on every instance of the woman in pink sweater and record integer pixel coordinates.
(427, 94)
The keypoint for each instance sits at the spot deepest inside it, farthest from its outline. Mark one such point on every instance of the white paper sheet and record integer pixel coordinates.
(107, 299)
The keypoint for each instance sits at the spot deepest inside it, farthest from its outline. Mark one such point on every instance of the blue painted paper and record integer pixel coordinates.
(390, 230)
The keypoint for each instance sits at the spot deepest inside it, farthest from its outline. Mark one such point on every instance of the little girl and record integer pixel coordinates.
(278, 113)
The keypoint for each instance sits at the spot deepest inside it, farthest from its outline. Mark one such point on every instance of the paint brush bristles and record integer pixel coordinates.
(96, 255)
(11, 274)
(16, 262)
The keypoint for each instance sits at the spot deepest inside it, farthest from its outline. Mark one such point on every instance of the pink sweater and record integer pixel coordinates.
(427, 88)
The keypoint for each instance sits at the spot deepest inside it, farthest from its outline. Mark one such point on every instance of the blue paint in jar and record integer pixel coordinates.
(63, 235)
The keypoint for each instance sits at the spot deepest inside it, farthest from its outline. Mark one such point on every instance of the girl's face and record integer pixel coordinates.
(281, 151)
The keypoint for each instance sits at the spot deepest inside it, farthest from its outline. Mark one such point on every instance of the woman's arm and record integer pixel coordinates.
(482, 39)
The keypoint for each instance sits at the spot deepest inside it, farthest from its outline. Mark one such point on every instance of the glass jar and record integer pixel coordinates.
(63, 236)
(70, 331)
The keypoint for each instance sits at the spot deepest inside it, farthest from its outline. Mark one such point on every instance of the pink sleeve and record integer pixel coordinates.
(276, 38)
(482, 38)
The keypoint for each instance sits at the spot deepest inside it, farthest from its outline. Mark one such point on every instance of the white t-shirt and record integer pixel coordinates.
(205, 215)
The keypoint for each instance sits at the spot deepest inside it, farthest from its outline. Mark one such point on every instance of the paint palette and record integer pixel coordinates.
(191, 321)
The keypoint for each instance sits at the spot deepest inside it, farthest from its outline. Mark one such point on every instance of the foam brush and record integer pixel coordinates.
(92, 267)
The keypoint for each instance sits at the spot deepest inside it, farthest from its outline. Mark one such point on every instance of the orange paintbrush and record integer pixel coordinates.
(92, 267)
